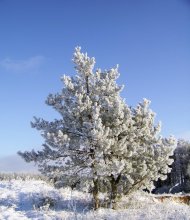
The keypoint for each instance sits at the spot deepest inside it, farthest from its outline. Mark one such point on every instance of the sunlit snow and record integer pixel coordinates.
(36, 199)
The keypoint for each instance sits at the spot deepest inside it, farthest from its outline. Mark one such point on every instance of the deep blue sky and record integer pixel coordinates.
(149, 39)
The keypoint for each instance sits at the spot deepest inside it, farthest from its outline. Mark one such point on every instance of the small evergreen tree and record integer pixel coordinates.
(99, 140)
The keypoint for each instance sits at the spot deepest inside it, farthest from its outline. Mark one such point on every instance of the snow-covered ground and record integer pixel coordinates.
(35, 199)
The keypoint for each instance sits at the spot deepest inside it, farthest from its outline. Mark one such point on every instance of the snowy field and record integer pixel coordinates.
(35, 199)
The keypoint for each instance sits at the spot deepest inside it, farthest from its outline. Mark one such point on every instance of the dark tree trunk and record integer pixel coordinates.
(95, 194)
(114, 187)
(87, 85)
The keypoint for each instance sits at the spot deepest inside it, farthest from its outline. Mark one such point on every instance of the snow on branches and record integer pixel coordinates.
(99, 140)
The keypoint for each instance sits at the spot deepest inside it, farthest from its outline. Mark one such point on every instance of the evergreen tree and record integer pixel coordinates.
(180, 169)
(99, 140)
(179, 178)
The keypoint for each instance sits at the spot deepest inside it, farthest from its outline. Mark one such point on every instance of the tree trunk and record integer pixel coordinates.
(95, 194)
(87, 85)
(114, 184)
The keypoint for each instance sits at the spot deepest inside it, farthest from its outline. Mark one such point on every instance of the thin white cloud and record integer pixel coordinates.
(32, 63)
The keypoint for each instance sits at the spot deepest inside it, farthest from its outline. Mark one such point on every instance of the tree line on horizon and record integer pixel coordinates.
(178, 180)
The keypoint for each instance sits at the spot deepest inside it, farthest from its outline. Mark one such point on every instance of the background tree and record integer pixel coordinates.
(179, 178)
(180, 169)
(98, 139)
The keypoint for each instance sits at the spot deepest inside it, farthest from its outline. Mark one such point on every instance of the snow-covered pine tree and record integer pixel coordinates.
(98, 138)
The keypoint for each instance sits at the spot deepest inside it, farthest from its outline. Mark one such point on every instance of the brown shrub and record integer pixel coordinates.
(181, 199)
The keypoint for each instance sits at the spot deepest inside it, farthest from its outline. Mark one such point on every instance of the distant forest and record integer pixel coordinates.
(179, 178)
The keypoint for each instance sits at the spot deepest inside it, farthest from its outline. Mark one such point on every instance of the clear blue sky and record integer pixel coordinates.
(149, 39)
